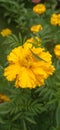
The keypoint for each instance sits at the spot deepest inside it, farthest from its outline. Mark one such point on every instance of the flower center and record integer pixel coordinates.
(27, 63)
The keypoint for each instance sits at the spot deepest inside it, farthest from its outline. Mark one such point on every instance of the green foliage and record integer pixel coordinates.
(20, 12)
(58, 116)
(15, 11)
(38, 108)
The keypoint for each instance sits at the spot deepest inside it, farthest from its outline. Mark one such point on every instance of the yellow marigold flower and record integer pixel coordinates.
(6, 32)
(4, 98)
(36, 28)
(39, 8)
(28, 66)
(35, 41)
(55, 19)
(59, 19)
(57, 51)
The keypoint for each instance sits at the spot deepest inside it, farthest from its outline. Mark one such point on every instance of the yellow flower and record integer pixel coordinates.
(4, 98)
(59, 19)
(39, 8)
(57, 51)
(6, 32)
(36, 28)
(55, 19)
(28, 66)
(35, 41)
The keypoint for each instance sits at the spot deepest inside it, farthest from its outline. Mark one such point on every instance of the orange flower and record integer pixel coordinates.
(4, 98)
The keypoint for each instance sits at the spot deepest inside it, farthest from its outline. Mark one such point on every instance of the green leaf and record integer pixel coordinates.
(58, 116)
(16, 116)
(1, 121)
(31, 120)
(1, 70)
(4, 108)
(24, 125)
